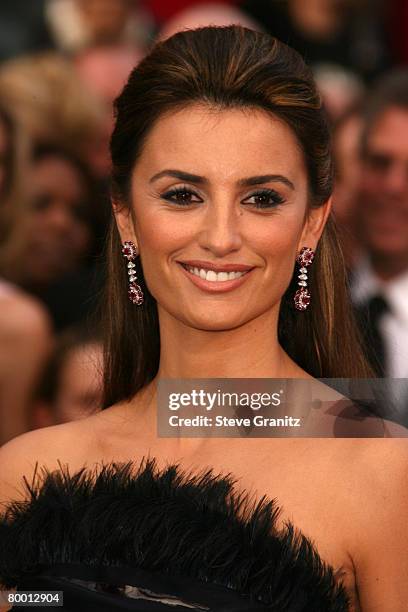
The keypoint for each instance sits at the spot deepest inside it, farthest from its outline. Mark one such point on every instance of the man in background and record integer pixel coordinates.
(379, 284)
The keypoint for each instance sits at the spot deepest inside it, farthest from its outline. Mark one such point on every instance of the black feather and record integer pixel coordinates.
(192, 525)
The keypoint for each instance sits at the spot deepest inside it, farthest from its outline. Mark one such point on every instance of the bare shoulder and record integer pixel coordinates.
(387, 463)
(77, 444)
(368, 478)
(371, 474)
(375, 474)
(67, 444)
(386, 453)
(379, 533)
(376, 462)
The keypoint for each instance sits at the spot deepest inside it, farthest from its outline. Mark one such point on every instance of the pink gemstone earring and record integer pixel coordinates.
(302, 295)
(135, 292)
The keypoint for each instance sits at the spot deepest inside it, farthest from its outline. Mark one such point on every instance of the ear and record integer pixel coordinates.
(313, 227)
(124, 221)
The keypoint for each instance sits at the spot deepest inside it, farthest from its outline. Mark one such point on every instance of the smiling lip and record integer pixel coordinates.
(207, 265)
(217, 286)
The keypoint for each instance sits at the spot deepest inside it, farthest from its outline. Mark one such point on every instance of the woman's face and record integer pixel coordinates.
(219, 190)
(58, 234)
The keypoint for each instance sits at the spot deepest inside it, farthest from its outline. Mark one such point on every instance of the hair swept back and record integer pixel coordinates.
(228, 67)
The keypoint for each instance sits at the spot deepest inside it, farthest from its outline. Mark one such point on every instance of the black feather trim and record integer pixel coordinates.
(169, 521)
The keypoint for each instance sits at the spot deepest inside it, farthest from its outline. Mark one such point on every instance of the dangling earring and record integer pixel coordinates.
(135, 292)
(302, 295)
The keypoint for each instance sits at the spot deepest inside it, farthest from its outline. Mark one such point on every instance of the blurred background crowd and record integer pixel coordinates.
(62, 63)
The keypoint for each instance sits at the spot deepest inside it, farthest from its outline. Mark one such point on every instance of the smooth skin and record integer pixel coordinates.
(350, 496)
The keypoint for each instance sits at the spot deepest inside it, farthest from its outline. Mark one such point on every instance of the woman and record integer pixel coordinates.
(49, 244)
(221, 164)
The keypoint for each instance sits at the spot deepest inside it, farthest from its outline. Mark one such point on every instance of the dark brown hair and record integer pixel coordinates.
(227, 67)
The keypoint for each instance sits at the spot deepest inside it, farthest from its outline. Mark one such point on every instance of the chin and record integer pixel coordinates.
(215, 323)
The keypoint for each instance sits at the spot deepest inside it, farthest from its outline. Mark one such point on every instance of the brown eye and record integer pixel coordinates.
(182, 196)
(266, 198)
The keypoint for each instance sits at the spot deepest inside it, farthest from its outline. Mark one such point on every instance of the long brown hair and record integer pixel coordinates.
(228, 67)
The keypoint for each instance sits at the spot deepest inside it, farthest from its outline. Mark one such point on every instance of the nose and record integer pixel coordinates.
(220, 232)
(59, 219)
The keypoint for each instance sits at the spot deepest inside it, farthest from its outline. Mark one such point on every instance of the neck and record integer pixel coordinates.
(388, 268)
(249, 351)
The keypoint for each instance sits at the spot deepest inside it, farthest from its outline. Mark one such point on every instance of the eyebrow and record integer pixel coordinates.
(245, 182)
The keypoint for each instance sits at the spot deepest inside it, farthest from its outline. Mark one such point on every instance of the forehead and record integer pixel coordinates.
(389, 133)
(222, 143)
(58, 175)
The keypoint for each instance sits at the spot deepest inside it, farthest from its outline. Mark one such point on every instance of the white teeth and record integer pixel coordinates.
(210, 275)
(222, 276)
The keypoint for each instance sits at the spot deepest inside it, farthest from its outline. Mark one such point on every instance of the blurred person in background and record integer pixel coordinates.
(23, 28)
(380, 278)
(397, 19)
(340, 88)
(82, 24)
(346, 153)
(104, 70)
(207, 13)
(6, 152)
(162, 10)
(25, 343)
(105, 20)
(108, 21)
(50, 102)
(14, 147)
(23, 321)
(71, 387)
(347, 33)
(47, 247)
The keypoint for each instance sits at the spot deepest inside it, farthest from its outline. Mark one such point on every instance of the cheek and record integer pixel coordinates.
(279, 248)
(277, 236)
(161, 233)
(159, 236)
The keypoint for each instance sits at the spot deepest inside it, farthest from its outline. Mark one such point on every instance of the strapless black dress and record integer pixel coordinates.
(121, 538)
